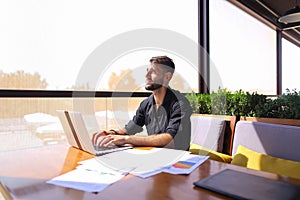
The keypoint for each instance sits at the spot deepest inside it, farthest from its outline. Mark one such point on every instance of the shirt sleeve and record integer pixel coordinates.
(179, 118)
(136, 124)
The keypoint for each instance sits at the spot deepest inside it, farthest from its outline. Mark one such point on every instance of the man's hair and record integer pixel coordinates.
(165, 61)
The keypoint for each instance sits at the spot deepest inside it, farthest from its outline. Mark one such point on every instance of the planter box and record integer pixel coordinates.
(291, 122)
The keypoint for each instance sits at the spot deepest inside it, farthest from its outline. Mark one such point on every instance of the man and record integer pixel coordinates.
(165, 113)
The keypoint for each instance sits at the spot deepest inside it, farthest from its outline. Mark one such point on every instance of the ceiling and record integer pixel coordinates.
(268, 11)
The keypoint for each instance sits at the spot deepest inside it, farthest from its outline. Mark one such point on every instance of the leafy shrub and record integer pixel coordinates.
(240, 103)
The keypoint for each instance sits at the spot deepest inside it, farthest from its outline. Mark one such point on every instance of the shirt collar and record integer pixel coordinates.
(166, 98)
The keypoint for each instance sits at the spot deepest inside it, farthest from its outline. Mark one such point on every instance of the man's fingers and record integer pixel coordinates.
(96, 136)
(104, 140)
(110, 144)
(93, 138)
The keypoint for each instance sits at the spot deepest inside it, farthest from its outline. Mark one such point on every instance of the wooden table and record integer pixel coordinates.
(24, 173)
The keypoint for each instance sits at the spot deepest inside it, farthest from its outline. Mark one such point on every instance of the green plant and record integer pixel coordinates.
(240, 103)
(219, 102)
(285, 106)
(201, 103)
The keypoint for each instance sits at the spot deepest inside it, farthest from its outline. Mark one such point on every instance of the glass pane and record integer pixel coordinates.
(290, 64)
(132, 77)
(46, 44)
(35, 121)
(120, 111)
(242, 50)
(28, 122)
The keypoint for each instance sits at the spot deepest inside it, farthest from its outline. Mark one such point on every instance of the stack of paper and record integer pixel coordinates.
(92, 177)
(96, 174)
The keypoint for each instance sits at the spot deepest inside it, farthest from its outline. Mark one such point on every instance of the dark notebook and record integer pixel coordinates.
(239, 185)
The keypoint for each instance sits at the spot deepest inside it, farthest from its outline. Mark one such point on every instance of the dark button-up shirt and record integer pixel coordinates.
(172, 117)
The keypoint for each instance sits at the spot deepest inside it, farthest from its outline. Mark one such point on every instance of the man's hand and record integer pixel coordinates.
(100, 139)
(108, 139)
(118, 139)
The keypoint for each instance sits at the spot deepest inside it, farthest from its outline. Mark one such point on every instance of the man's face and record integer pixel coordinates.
(154, 77)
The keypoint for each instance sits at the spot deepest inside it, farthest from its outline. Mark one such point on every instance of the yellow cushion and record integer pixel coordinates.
(199, 150)
(254, 160)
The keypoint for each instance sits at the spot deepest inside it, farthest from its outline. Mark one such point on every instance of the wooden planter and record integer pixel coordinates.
(291, 122)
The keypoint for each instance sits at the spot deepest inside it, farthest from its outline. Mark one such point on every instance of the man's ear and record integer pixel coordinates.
(168, 76)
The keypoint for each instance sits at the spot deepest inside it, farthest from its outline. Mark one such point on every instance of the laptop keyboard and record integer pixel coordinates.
(106, 150)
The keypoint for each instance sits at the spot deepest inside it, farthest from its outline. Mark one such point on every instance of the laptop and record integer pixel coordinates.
(78, 135)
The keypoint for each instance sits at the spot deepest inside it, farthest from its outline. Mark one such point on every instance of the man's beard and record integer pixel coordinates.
(153, 86)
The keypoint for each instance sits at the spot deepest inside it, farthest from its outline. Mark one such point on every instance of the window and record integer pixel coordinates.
(51, 41)
(48, 45)
(290, 63)
(242, 50)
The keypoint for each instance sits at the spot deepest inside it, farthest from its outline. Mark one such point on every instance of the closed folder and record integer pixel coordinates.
(240, 185)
